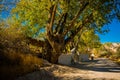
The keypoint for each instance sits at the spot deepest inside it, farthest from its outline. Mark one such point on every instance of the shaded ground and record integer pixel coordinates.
(99, 69)
(100, 64)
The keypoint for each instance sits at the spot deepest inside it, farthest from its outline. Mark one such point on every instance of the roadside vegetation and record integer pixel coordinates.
(111, 51)
(16, 58)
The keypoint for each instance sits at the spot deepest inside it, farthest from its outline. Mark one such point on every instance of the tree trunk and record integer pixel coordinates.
(55, 52)
(57, 46)
(52, 55)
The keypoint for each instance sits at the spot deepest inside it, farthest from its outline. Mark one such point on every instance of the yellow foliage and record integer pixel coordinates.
(118, 61)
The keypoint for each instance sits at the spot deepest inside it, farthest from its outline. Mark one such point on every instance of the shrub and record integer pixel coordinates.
(15, 59)
(16, 64)
(106, 54)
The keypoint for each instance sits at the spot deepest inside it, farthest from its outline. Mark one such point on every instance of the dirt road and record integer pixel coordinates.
(99, 69)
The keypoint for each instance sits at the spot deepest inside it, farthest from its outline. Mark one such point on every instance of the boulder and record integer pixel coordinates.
(65, 59)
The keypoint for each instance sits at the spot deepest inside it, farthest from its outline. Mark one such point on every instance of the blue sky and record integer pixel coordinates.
(114, 34)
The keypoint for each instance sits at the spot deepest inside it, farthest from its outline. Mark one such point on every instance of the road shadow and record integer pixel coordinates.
(97, 65)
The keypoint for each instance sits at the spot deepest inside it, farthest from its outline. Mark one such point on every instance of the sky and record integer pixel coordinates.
(113, 35)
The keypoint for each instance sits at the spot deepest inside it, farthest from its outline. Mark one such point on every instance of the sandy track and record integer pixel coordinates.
(99, 69)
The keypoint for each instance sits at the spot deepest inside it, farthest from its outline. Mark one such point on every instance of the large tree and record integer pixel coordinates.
(61, 20)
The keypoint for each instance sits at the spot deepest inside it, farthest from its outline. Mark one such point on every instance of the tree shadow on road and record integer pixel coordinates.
(97, 65)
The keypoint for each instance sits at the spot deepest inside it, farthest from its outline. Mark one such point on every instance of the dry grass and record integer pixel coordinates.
(16, 64)
(15, 58)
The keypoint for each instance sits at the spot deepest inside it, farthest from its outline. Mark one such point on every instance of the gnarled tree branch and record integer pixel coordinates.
(75, 18)
(63, 23)
(89, 18)
(53, 12)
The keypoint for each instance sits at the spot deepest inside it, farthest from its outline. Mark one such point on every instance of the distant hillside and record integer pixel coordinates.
(111, 51)
(112, 47)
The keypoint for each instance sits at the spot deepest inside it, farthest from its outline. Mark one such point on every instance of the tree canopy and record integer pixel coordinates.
(66, 14)
(62, 20)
